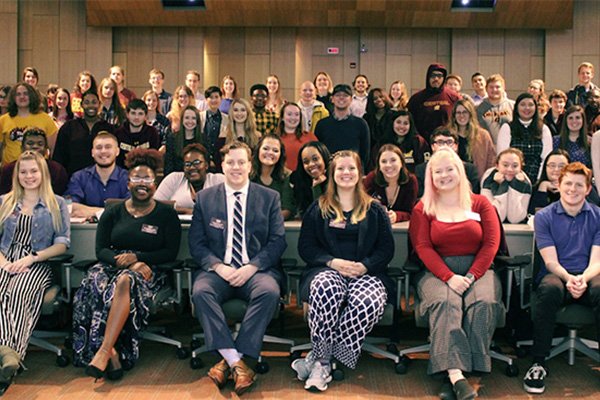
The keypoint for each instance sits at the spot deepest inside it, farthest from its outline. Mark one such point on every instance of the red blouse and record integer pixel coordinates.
(433, 239)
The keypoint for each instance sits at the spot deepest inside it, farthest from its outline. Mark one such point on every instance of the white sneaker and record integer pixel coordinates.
(303, 367)
(534, 379)
(319, 377)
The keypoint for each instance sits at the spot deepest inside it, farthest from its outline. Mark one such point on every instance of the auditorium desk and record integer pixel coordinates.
(83, 239)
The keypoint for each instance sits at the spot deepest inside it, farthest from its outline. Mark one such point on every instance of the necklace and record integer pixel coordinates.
(137, 212)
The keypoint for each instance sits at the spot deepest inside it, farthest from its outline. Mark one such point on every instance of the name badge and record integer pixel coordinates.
(337, 225)
(217, 223)
(151, 229)
(473, 215)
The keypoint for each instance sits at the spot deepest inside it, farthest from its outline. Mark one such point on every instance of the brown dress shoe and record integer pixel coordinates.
(243, 376)
(219, 373)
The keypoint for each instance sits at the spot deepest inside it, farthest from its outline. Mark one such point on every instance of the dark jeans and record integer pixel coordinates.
(552, 294)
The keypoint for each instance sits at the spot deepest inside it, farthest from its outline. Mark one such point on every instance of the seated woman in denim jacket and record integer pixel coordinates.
(34, 226)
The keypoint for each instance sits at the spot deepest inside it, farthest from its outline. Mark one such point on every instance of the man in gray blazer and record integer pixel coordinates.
(237, 237)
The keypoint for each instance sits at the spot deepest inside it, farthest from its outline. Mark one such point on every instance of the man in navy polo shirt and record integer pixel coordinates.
(568, 238)
(91, 186)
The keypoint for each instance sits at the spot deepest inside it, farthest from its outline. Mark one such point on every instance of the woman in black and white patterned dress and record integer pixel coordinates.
(34, 226)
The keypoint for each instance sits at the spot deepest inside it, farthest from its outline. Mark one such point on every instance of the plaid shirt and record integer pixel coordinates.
(266, 122)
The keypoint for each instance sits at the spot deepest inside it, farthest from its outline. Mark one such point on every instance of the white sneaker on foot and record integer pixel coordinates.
(319, 377)
(303, 367)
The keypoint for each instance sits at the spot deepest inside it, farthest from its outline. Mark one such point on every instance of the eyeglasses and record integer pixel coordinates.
(441, 142)
(195, 163)
(556, 166)
(462, 113)
(136, 179)
(436, 75)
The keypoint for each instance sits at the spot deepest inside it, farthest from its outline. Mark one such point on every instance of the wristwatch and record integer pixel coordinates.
(35, 255)
(470, 276)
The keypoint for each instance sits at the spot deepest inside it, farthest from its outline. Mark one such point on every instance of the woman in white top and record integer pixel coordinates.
(527, 133)
(507, 187)
(183, 186)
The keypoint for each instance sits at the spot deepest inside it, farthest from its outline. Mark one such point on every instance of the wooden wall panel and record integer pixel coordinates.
(165, 40)
(398, 42)
(45, 48)
(46, 7)
(99, 51)
(283, 55)
(139, 59)
(9, 20)
(167, 63)
(191, 51)
(397, 69)
(70, 66)
(491, 42)
(465, 56)
(517, 66)
(258, 41)
(212, 55)
(72, 30)
(372, 61)
(303, 64)
(256, 70)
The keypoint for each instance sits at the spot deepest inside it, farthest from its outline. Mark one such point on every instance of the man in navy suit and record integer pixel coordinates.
(237, 237)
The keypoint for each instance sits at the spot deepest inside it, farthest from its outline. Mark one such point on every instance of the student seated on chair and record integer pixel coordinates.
(456, 234)
(567, 234)
(346, 241)
(90, 187)
(35, 227)
(182, 187)
(112, 305)
(237, 237)
(34, 139)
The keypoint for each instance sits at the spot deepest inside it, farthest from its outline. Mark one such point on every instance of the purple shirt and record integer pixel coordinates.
(573, 237)
(86, 187)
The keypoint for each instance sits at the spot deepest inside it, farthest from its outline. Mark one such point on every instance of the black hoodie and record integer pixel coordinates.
(432, 107)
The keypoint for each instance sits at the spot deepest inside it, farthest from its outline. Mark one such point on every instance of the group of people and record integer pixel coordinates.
(348, 161)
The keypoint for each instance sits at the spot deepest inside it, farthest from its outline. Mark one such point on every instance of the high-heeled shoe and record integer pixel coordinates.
(115, 370)
(95, 372)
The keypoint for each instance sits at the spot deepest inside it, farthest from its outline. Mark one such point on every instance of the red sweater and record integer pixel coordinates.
(433, 239)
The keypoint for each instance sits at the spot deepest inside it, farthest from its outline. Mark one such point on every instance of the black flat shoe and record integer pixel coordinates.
(446, 391)
(94, 372)
(463, 390)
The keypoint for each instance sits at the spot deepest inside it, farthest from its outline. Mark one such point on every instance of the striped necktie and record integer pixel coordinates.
(238, 232)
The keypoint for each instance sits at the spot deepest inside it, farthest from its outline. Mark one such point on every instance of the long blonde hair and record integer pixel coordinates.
(176, 111)
(329, 203)
(472, 127)
(45, 191)
(251, 135)
(430, 194)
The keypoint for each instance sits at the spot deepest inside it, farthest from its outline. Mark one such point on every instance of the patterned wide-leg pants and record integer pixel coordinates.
(342, 312)
(21, 298)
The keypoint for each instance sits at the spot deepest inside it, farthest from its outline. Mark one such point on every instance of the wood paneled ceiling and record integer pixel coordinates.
(508, 14)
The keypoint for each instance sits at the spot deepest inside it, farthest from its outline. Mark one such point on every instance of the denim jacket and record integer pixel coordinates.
(43, 234)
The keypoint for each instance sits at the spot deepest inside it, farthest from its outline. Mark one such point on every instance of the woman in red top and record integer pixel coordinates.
(456, 235)
(290, 132)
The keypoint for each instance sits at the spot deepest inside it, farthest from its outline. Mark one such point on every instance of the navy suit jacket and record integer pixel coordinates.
(264, 229)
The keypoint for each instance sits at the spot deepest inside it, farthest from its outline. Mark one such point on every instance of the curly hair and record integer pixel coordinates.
(150, 158)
